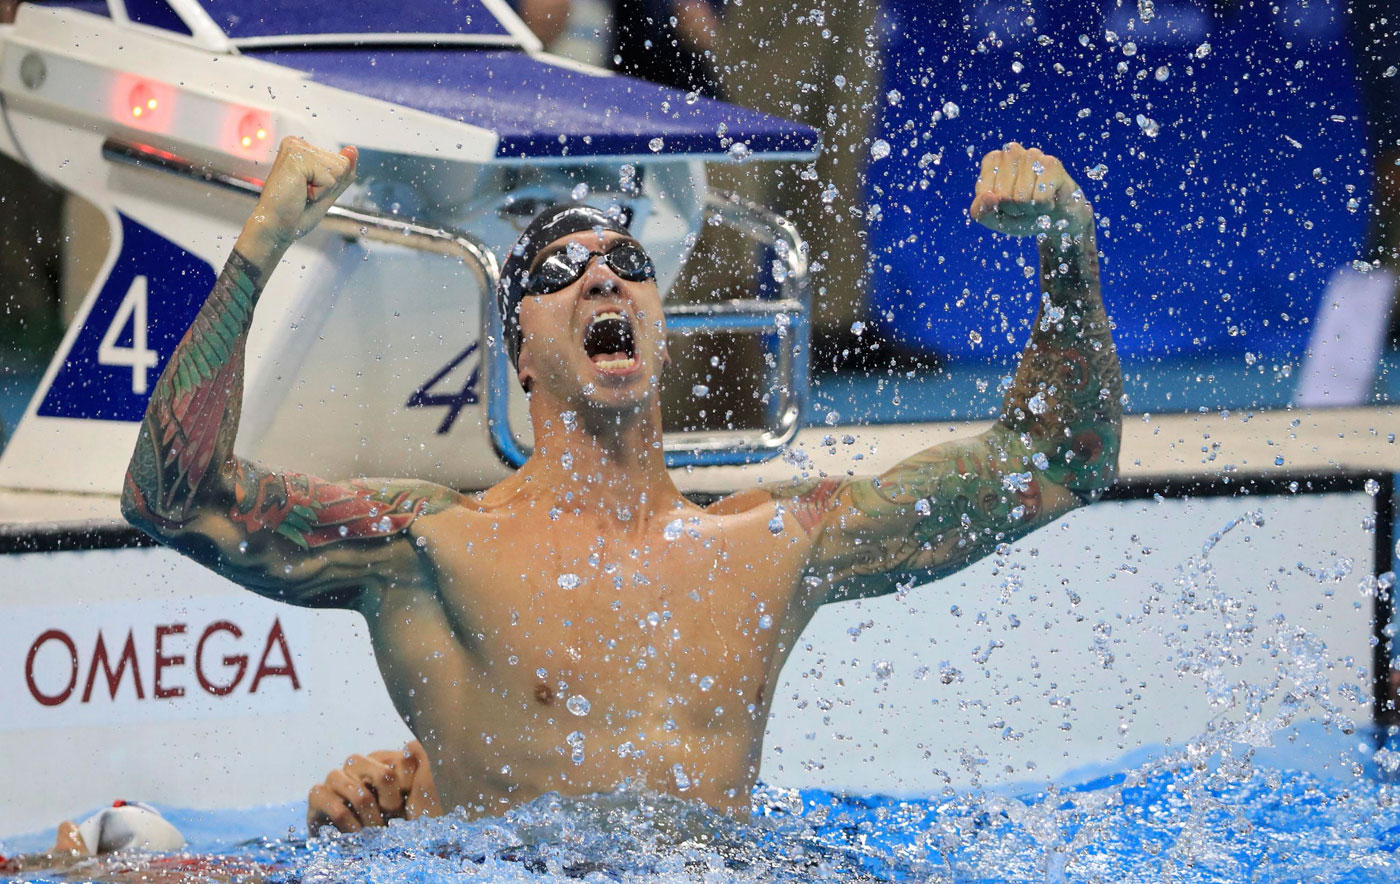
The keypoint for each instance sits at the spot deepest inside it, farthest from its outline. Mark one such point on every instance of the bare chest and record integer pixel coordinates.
(677, 623)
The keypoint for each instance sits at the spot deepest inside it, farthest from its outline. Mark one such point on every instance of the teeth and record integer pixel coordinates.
(611, 314)
(615, 363)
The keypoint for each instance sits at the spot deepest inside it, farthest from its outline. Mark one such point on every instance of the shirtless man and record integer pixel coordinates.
(581, 624)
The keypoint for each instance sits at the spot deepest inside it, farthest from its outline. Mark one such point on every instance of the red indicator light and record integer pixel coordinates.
(141, 100)
(252, 133)
(143, 104)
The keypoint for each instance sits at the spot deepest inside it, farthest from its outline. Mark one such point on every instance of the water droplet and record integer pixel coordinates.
(541, 672)
(706, 683)
(578, 704)
(883, 669)
(1017, 67)
(879, 149)
(1163, 74)
(1278, 461)
(1149, 126)
(243, 544)
(765, 622)
(1037, 404)
(692, 97)
(570, 419)
(1372, 487)
(739, 150)
(579, 192)
(951, 110)
(672, 530)
(775, 524)
(699, 391)
(1130, 49)
(656, 144)
(922, 507)
(1203, 50)
(575, 741)
(833, 417)
(1040, 461)
(1016, 482)
(1147, 10)
(682, 781)
(569, 581)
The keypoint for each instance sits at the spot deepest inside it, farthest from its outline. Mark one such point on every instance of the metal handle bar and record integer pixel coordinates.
(348, 222)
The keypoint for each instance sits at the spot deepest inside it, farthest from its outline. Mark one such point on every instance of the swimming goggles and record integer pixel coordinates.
(627, 259)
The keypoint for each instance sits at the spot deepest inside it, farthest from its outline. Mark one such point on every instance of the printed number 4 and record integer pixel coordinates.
(137, 357)
(423, 397)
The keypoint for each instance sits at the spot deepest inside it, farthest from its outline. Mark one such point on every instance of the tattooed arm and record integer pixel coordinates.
(1054, 446)
(289, 536)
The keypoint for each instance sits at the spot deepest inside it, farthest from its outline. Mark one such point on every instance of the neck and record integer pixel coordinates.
(607, 463)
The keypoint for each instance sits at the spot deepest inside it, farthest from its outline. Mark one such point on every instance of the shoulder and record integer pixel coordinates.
(804, 501)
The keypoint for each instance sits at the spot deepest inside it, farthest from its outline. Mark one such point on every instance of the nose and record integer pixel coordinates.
(599, 280)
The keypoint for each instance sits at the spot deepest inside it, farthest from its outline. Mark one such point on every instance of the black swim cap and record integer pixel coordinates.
(551, 224)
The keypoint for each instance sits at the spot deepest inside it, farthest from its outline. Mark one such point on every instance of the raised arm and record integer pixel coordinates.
(1053, 447)
(289, 536)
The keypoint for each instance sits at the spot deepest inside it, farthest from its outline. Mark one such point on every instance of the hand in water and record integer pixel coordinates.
(372, 789)
(70, 840)
(1022, 192)
(301, 187)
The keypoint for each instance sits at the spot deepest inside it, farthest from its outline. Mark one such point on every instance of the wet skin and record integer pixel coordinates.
(587, 574)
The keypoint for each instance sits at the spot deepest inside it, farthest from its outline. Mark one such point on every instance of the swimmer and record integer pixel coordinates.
(120, 843)
(582, 625)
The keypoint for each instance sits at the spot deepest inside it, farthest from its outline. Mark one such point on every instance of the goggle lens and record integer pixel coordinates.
(627, 259)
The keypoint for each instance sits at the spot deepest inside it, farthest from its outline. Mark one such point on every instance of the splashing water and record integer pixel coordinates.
(1187, 819)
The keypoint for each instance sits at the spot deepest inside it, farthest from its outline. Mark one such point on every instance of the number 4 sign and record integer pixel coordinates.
(146, 303)
(137, 356)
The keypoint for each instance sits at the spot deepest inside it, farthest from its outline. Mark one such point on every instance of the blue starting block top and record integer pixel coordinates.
(248, 21)
(544, 110)
(470, 61)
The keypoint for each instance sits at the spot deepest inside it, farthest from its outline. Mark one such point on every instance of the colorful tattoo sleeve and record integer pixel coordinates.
(297, 537)
(1055, 445)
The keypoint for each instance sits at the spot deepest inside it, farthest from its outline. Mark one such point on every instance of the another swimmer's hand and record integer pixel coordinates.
(70, 840)
(1024, 192)
(372, 789)
(301, 186)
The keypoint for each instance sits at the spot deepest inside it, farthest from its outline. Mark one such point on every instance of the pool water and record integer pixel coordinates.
(1318, 805)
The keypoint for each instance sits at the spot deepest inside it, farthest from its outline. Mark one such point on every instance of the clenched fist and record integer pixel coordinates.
(372, 789)
(1023, 192)
(301, 187)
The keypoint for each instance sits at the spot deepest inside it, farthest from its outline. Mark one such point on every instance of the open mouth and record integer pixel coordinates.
(608, 342)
